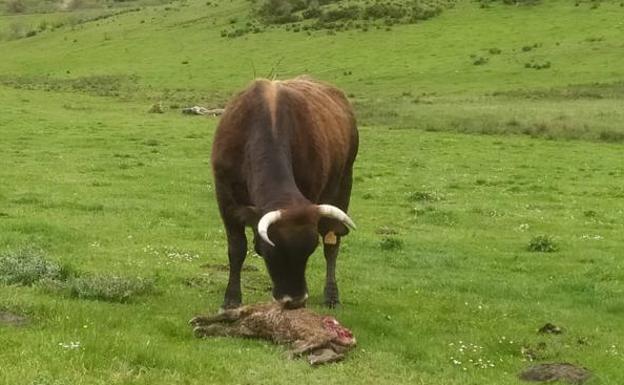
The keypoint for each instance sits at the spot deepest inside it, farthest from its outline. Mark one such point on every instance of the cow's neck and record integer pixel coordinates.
(271, 182)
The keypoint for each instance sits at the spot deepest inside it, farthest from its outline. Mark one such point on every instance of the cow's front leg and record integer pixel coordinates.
(331, 245)
(237, 250)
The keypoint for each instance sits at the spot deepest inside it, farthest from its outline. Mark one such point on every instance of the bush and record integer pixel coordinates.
(381, 10)
(480, 61)
(28, 266)
(537, 66)
(611, 136)
(543, 244)
(280, 11)
(108, 288)
(347, 13)
(423, 196)
(391, 243)
(15, 6)
(327, 17)
(312, 13)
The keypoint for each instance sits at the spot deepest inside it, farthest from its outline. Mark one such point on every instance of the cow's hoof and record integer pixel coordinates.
(332, 302)
(230, 305)
(331, 296)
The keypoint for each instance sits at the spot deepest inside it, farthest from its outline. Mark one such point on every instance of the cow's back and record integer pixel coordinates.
(312, 122)
(324, 136)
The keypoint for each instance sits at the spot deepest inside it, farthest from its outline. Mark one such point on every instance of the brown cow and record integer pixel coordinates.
(282, 159)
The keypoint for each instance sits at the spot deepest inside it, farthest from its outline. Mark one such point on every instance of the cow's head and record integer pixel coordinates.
(287, 239)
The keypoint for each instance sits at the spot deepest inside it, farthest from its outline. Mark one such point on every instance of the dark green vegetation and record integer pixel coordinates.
(468, 174)
(339, 15)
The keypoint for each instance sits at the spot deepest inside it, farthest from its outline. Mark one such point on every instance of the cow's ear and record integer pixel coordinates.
(327, 225)
(249, 215)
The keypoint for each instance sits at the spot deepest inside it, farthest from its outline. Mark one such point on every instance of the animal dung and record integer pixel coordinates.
(319, 338)
(556, 372)
(550, 329)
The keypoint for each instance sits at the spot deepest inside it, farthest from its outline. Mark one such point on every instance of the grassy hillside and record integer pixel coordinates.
(453, 228)
(469, 61)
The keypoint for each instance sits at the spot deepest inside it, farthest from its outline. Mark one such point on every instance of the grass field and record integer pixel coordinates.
(461, 168)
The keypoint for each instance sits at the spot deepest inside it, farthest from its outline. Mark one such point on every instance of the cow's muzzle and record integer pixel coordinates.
(288, 302)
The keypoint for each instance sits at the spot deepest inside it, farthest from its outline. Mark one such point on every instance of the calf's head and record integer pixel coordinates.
(287, 239)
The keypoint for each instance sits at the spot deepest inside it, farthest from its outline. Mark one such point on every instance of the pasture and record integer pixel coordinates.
(488, 197)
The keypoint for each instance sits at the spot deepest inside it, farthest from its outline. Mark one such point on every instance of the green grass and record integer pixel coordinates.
(445, 214)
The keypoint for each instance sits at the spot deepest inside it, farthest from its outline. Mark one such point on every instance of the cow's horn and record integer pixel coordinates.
(267, 220)
(334, 212)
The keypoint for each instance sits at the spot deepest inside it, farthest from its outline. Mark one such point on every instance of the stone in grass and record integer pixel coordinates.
(322, 339)
(556, 372)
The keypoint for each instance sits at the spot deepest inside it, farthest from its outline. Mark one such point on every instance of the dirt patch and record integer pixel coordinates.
(7, 318)
(556, 372)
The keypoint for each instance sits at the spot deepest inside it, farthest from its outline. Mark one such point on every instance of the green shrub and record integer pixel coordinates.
(384, 10)
(108, 288)
(391, 243)
(543, 244)
(312, 13)
(423, 196)
(27, 266)
(347, 13)
(480, 61)
(280, 11)
(15, 6)
(611, 136)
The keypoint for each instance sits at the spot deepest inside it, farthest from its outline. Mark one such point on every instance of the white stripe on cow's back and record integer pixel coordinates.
(270, 93)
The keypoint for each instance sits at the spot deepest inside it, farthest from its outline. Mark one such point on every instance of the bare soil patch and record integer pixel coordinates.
(8, 318)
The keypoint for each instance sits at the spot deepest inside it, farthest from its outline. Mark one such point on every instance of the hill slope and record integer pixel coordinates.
(175, 53)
